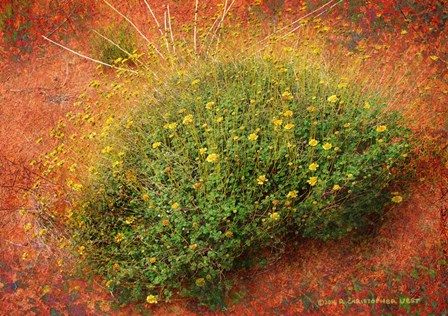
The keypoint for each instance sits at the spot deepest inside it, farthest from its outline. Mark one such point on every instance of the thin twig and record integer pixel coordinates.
(154, 17)
(195, 26)
(170, 28)
(165, 24)
(86, 57)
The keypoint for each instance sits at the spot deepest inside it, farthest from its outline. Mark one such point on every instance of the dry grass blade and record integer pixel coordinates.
(195, 43)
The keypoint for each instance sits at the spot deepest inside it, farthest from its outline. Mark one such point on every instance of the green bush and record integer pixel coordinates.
(115, 44)
(228, 161)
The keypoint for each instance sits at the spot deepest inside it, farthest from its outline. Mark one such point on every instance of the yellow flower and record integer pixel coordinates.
(152, 259)
(200, 282)
(336, 187)
(219, 119)
(261, 179)
(312, 181)
(188, 119)
(197, 185)
(288, 113)
(397, 199)
(333, 98)
(145, 197)
(292, 194)
(170, 125)
(342, 85)
(28, 226)
(202, 151)
(277, 122)
(350, 176)
(289, 126)
(228, 234)
(156, 145)
(347, 125)
(129, 220)
(195, 82)
(151, 299)
(236, 137)
(210, 105)
(311, 109)
(253, 137)
(275, 216)
(212, 157)
(106, 150)
(193, 246)
(313, 142)
(367, 105)
(286, 96)
(381, 128)
(404, 32)
(313, 166)
(119, 237)
(327, 146)
(175, 205)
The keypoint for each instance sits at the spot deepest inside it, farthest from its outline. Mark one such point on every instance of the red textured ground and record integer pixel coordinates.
(400, 260)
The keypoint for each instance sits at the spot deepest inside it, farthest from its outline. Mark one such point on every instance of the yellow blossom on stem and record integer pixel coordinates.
(336, 187)
(313, 166)
(277, 122)
(288, 126)
(152, 259)
(119, 237)
(288, 113)
(253, 137)
(202, 151)
(212, 157)
(397, 199)
(175, 205)
(313, 142)
(156, 145)
(333, 98)
(151, 299)
(261, 179)
(326, 146)
(209, 105)
(312, 181)
(200, 282)
(275, 216)
(292, 194)
(381, 128)
(188, 119)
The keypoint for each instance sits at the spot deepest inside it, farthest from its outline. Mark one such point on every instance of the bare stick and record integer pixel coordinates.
(86, 57)
(165, 23)
(195, 26)
(154, 17)
(135, 27)
(170, 28)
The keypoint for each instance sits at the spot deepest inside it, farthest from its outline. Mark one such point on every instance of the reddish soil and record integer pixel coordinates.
(400, 260)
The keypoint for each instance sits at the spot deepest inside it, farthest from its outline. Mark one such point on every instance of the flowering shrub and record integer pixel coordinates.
(227, 161)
